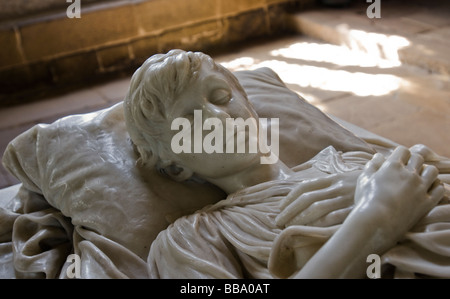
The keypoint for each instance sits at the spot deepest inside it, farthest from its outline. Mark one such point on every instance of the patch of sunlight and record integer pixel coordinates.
(338, 55)
(241, 63)
(363, 49)
(358, 83)
(384, 46)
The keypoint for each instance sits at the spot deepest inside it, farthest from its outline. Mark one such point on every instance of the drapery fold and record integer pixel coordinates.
(245, 222)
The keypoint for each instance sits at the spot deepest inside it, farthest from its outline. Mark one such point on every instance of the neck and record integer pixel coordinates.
(256, 174)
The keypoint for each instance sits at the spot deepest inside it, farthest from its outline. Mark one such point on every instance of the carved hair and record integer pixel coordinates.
(153, 88)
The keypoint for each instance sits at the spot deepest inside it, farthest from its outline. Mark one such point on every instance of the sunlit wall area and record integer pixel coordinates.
(56, 43)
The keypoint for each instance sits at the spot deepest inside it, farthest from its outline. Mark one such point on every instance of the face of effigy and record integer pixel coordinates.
(213, 95)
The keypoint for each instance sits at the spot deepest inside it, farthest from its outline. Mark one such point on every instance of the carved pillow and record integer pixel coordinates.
(85, 166)
(304, 129)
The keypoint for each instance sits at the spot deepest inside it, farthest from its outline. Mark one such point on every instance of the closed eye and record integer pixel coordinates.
(220, 96)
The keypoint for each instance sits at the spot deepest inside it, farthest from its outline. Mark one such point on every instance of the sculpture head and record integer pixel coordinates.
(173, 85)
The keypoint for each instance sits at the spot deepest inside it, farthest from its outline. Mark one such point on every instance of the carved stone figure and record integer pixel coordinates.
(321, 220)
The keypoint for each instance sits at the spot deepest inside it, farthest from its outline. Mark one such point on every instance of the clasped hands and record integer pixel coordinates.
(399, 189)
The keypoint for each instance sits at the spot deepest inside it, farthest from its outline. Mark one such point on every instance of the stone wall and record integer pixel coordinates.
(43, 48)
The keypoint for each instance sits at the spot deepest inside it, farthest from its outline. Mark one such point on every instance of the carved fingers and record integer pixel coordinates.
(369, 171)
(398, 190)
(432, 158)
(320, 202)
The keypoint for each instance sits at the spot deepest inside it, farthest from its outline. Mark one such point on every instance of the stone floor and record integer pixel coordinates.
(389, 75)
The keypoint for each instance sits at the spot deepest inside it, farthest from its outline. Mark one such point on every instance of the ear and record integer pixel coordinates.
(175, 172)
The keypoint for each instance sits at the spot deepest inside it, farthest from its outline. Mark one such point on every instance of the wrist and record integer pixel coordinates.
(371, 225)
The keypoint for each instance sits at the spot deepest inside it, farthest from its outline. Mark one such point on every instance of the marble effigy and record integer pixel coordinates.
(104, 195)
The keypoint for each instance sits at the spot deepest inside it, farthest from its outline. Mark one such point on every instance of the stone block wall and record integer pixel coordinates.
(44, 48)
